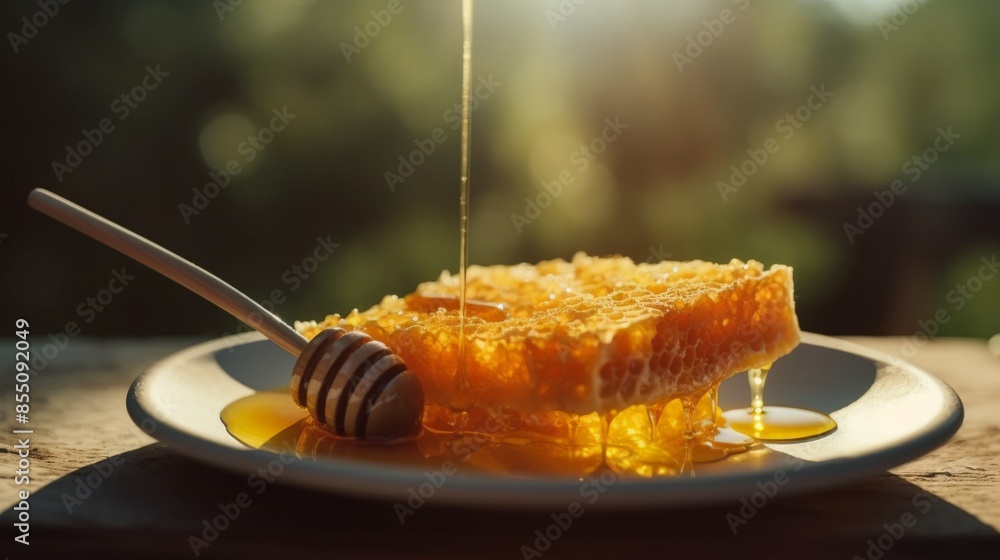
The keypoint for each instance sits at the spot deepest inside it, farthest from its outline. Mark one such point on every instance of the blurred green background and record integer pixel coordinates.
(368, 86)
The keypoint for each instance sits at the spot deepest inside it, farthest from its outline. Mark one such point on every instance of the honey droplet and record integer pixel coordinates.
(775, 423)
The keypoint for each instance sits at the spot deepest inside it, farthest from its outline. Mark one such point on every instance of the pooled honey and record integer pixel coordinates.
(642, 441)
(775, 423)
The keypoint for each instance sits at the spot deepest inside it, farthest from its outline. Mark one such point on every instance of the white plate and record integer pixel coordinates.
(888, 412)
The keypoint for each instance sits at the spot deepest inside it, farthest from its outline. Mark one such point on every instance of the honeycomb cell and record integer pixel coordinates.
(589, 335)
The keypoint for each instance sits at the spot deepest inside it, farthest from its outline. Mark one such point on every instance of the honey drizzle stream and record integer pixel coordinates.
(462, 401)
(758, 377)
(688, 466)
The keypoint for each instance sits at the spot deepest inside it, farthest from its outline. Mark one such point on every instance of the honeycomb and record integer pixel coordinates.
(589, 335)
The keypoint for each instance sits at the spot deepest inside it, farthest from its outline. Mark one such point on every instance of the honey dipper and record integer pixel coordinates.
(350, 383)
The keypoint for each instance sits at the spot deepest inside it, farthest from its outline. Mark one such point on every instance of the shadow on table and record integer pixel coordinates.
(158, 503)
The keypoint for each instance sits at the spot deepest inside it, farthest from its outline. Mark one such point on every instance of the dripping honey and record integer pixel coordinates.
(461, 401)
(775, 423)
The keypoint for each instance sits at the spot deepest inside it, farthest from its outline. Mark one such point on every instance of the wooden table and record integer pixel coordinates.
(148, 499)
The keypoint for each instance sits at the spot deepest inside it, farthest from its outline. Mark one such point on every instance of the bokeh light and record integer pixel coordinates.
(365, 103)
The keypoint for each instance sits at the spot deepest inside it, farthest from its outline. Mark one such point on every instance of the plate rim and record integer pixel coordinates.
(359, 479)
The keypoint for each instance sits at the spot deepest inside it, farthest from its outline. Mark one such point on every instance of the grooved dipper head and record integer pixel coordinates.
(356, 387)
